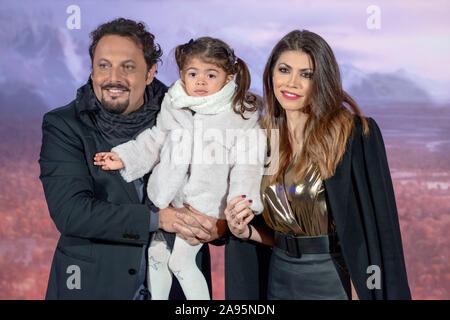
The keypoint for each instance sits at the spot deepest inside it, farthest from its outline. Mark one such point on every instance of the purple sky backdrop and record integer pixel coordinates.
(409, 54)
(403, 66)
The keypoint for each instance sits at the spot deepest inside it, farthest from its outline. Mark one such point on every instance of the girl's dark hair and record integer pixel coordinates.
(330, 121)
(130, 29)
(217, 52)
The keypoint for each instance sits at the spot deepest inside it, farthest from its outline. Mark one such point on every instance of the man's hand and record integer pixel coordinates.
(167, 218)
(198, 227)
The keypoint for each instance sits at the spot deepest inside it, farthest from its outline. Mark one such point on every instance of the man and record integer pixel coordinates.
(106, 223)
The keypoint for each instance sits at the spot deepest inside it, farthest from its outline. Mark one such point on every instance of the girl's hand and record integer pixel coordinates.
(108, 161)
(238, 216)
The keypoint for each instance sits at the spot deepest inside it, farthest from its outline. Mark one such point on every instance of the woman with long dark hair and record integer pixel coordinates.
(329, 205)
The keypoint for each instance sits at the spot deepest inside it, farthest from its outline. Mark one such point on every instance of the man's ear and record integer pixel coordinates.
(151, 74)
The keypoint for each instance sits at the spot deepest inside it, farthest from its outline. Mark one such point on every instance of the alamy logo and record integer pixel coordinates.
(74, 20)
(74, 280)
(374, 20)
(374, 280)
(216, 147)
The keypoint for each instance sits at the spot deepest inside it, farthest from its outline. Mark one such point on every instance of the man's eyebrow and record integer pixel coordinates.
(126, 61)
(304, 69)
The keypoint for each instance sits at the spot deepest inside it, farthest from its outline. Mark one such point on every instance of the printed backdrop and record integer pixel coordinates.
(394, 59)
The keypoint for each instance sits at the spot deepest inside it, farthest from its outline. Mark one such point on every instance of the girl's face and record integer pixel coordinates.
(203, 79)
(291, 79)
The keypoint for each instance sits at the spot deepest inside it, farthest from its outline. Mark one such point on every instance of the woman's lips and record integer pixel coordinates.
(290, 96)
(201, 92)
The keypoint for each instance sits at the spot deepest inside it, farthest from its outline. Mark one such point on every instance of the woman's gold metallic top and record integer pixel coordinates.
(297, 208)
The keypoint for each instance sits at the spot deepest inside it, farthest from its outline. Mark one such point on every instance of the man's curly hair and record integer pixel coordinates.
(133, 30)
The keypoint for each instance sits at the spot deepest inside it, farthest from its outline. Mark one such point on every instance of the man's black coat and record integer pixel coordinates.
(102, 223)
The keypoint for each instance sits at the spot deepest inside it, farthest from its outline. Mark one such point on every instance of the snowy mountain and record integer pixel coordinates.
(382, 88)
(51, 61)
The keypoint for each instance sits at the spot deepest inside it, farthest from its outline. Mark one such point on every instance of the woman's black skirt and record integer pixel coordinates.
(308, 268)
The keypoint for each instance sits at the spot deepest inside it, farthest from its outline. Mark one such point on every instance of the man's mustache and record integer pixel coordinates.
(115, 86)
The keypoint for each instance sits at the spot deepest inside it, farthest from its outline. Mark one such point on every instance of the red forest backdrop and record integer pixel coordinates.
(419, 166)
(44, 58)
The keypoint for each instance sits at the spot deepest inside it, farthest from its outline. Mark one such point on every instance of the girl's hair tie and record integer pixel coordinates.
(231, 57)
(187, 45)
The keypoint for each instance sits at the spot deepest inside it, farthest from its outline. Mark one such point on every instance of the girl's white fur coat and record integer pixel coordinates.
(195, 158)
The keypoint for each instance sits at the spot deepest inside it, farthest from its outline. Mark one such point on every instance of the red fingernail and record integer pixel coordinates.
(243, 196)
(250, 201)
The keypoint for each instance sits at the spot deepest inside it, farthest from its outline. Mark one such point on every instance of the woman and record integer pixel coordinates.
(329, 207)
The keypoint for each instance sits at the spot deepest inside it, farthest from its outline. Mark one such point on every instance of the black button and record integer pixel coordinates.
(131, 236)
(132, 271)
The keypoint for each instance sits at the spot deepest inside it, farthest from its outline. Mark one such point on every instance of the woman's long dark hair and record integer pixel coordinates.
(329, 123)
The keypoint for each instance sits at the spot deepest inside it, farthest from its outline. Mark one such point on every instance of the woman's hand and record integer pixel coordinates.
(238, 216)
(108, 161)
(198, 227)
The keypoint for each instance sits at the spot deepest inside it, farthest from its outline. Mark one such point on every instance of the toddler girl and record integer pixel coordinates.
(205, 149)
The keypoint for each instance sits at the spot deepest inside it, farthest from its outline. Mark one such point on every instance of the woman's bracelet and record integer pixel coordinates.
(249, 232)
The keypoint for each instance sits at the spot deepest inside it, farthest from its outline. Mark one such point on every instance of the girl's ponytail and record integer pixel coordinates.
(242, 95)
(179, 56)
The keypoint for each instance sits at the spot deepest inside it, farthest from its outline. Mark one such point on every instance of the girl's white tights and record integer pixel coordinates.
(181, 263)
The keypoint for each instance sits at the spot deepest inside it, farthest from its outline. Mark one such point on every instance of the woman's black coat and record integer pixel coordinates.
(361, 199)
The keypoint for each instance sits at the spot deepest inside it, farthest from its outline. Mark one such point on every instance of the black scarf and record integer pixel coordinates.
(118, 128)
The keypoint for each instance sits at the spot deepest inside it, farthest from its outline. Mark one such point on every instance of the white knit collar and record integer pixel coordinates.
(213, 104)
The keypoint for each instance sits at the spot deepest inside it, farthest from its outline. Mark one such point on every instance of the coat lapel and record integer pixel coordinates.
(337, 188)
